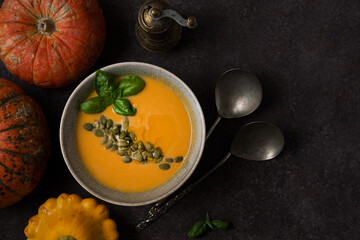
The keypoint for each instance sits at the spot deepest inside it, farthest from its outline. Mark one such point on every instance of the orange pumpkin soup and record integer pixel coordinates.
(161, 119)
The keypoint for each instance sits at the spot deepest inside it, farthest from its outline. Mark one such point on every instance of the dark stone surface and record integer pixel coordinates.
(306, 54)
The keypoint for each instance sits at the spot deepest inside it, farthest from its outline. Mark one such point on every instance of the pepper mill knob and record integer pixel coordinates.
(159, 27)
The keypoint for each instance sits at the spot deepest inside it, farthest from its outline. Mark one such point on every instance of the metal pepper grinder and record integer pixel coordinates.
(159, 27)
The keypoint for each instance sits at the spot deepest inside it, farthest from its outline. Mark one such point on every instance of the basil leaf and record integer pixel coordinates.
(123, 106)
(104, 84)
(198, 229)
(108, 100)
(220, 224)
(130, 85)
(93, 105)
(117, 93)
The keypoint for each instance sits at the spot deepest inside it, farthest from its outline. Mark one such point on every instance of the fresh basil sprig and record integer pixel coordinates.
(111, 94)
(199, 228)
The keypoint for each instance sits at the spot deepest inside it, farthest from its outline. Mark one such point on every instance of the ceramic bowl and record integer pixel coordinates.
(69, 145)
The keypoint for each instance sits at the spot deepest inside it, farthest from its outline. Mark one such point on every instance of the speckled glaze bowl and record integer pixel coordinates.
(69, 145)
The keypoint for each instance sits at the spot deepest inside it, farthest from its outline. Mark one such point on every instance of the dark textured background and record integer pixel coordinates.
(307, 56)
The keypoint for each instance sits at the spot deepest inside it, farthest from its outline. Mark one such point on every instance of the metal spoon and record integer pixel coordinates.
(237, 94)
(257, 141)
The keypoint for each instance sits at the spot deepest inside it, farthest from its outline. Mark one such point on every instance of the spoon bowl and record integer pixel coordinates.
(258, 141)
(237, 93)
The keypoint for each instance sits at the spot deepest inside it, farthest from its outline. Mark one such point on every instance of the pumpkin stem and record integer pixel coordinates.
(67, 238)
(45, 26)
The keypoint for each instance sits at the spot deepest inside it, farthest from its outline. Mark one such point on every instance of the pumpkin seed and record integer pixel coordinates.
(123, 144)
(98, 133)
(179, 159)
(114, 130)
(107, 131)
(149, 155)
(138, 157)
(127, 159)
(103, 119)
(157, 152)
(96, 124)
(132, 136)
(149, 147)
(140, 145)
(127, 138)
(109, 123)
(122, 134)
(104, 139)
(129, 152)
(112, 136)
(169, 160)
(114, 147)
(88, 126)
(102, 126)
(122, 152)
(125, 122)
(143, 154)
(164, 166)
(159, 159)
(109, 144)
(134, 147)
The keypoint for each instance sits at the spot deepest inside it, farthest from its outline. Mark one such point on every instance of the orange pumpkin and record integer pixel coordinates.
(51, 43)
(24, 143)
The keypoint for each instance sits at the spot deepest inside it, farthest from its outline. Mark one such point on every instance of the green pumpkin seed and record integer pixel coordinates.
(98, 133)
(96, 124)
(103, 119)
(127, 138)
(149, 155)
(102, 126)
(127, 159)
(159, 159)
(112, 136)
(129, 152)
(179, 159)
(114, 147)
(140, 145)
(143, 154)
(123, 144)
(125, 122)
(114, 130)
(138, 157)
(122, 152)
(107, 131)
(157, 152)
(88, 126)
(109, 144)
(134, 147)
(104, 139)
(169, 160)
(164, 166)
(132, 136)
(122, 134)
(109, 123)
(149, 147)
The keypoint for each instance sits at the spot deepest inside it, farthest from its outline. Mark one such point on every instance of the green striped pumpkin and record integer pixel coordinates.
(24, 143)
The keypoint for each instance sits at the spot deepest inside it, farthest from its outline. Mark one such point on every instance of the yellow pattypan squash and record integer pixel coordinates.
(70, 217)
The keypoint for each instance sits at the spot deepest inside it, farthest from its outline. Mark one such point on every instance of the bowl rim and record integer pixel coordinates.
(193, 167)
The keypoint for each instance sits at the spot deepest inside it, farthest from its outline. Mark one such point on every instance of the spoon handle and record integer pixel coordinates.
(212, 127)
(156, 211)
(156, 207)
